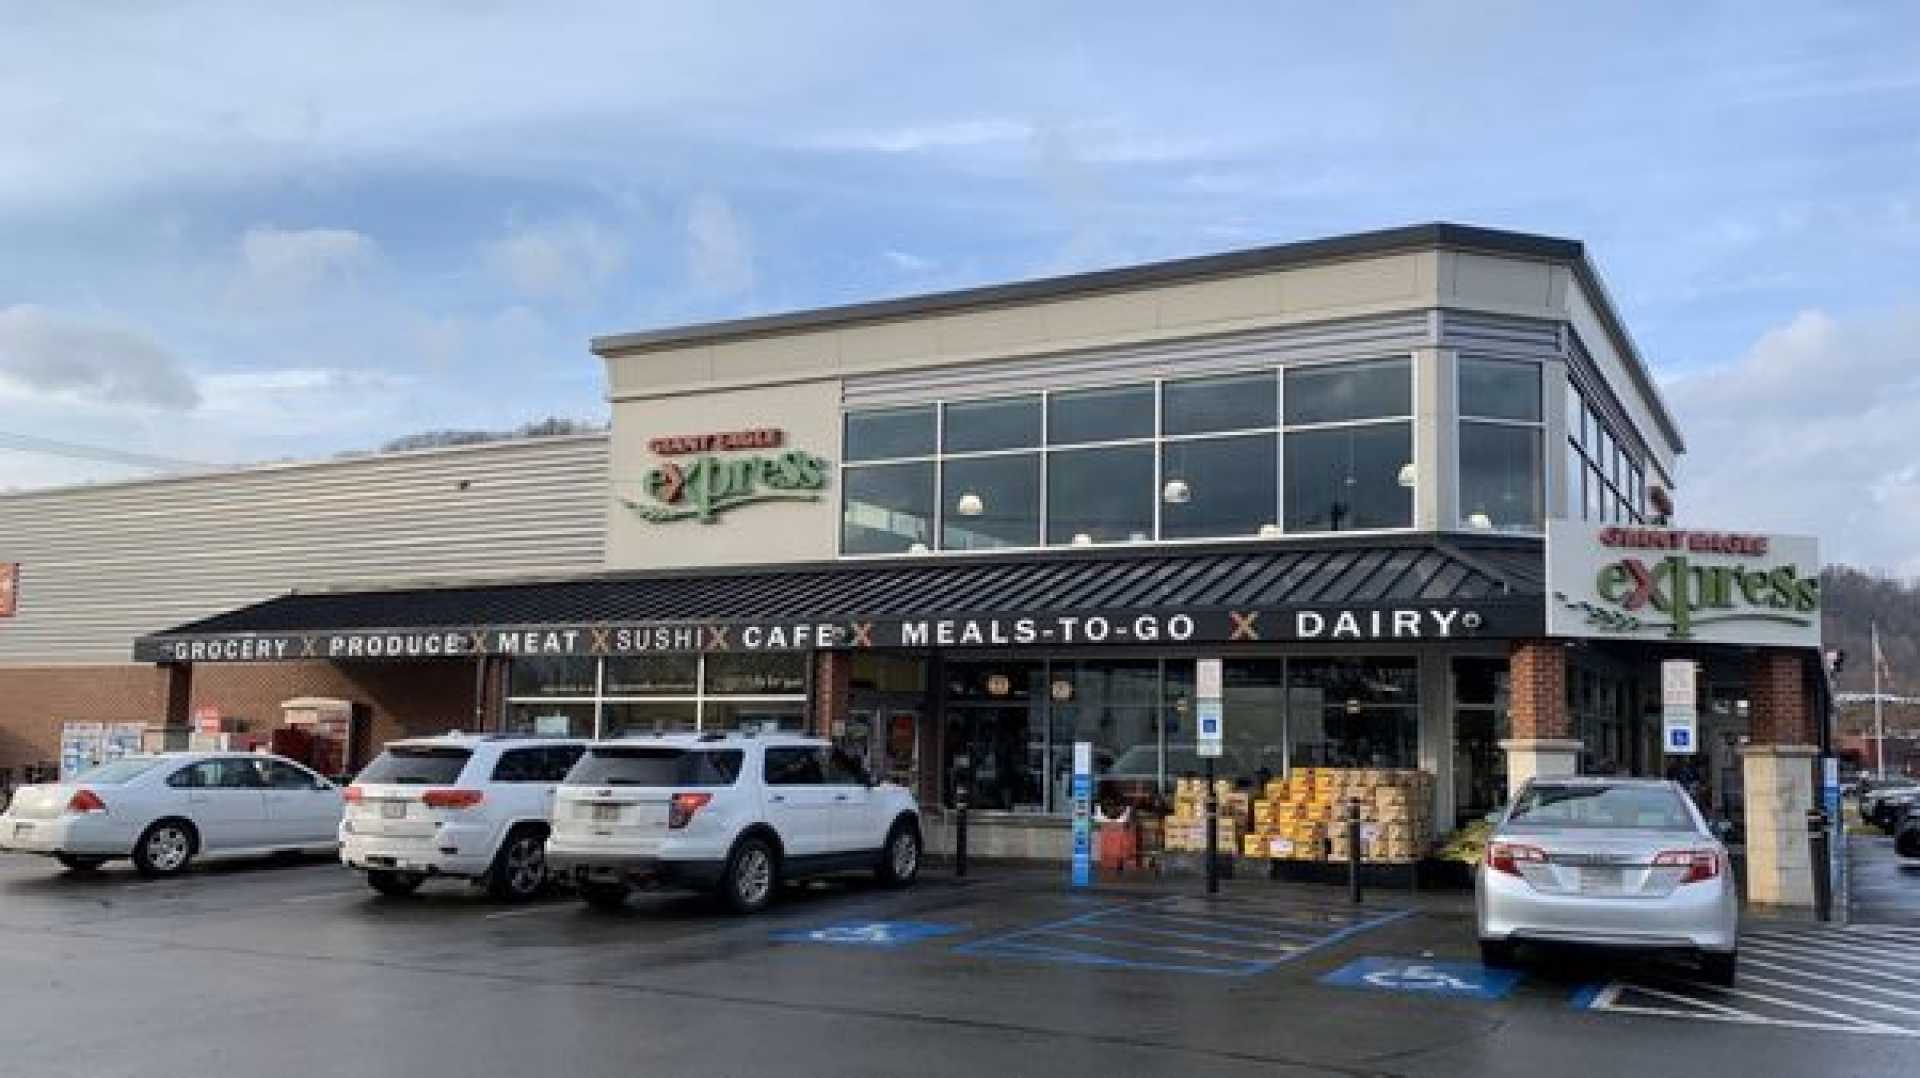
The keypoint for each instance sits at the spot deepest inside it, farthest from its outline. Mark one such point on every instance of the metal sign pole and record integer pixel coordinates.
(1210, 734)
(1213, 833)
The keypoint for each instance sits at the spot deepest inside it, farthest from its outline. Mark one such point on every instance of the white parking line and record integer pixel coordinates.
(1749, 960)
(321, 896)
(1805, 991)
(555, 907)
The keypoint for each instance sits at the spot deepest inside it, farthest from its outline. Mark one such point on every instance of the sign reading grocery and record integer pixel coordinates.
(1646, 583)
(9, 588)
(710, 474)
(1061, 628)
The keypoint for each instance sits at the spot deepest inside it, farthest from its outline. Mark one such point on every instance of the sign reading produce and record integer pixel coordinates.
(710, 474)
(1635, 582)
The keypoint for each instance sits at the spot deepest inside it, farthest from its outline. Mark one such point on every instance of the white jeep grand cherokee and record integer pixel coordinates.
(734, 813)
(467, 806)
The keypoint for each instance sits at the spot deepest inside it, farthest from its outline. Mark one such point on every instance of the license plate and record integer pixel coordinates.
(393, 810)
(1599, 879)
(606, 813)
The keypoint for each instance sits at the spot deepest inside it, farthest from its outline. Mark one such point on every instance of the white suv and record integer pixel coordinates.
(468, 806)
(731, 812)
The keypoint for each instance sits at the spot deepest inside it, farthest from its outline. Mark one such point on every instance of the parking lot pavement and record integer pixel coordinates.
(265, 968)
(1885, 887)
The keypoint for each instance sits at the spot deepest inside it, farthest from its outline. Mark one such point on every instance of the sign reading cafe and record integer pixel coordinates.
(1644, 583)
(708, 474)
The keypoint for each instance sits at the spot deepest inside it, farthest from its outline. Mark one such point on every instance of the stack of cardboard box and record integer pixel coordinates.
(1186, 828)
(1303, 817)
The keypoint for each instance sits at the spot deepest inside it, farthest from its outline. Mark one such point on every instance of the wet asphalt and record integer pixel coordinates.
(274, 968)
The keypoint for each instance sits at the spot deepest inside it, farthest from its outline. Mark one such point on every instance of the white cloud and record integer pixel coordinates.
(42, 353)
(297, 259)
(919, 138)
(908, 261)
(719, 246)
(1812, 430)
(571, 258)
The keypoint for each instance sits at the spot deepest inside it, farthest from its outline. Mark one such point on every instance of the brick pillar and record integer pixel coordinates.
(1777, 764)
(832, 690)
(1541, 739)
(179, 715)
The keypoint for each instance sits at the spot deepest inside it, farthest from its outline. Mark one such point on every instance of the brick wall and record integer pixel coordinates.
(832, 689)
(402, 698)
(1777, 698)
(1538, 707)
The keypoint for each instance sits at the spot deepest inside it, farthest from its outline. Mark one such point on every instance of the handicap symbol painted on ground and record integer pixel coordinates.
(1465, 980)
(867, 933)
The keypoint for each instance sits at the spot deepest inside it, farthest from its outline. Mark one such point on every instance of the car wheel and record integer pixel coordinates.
(1907, 844)
(900, 858)
(605, 896)
(1719, 968)
(752, 876)
(520, 868)
(164, 849)
(73, 863)
(1497, 954)
(395, 884)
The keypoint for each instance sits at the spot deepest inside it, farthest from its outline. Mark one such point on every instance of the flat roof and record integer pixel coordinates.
(1436, 234)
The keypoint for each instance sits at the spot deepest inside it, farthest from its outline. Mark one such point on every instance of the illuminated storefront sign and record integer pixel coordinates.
(1648, 583)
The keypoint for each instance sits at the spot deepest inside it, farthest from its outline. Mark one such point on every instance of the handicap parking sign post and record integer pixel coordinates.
(1679, 710)
(1082, 813)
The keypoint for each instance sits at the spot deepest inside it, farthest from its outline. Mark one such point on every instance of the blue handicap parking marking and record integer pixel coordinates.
(1460, 980)
(867, 933)
(1177, 937)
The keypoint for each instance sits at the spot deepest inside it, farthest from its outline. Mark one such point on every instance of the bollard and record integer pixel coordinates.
(962, 791)
(1353, 851)
(1821, 857)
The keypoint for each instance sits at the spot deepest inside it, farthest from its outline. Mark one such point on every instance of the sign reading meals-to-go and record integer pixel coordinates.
(1636, 582)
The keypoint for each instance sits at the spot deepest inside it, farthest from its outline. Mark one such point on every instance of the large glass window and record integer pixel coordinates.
(1114, 706)
(886, 508)
(1234, 402)
(1502, 452)
(1190, 458)
(1480, 722)
(990, 502)
(889, 433)
(1348, 392)
(1353, 712)
(1343, 478)
(641, 694)
(1004, 423)
(1100, 495)
(1605, 480)
(1100, 415)
(1217, 486)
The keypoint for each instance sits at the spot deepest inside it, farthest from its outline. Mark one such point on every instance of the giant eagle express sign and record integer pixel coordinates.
(1404, 624)
(709, 474)
(1693, 585)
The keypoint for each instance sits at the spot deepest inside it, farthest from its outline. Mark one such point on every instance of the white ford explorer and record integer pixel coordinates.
(733, 813)
(467, 806)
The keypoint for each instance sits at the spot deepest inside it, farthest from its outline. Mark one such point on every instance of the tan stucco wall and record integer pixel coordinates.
(809, 412)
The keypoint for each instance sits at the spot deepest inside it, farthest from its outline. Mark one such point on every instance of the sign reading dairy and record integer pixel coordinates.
(1712, 587)
(1679, 712)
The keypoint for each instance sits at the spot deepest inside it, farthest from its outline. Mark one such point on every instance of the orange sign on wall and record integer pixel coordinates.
(9, 587)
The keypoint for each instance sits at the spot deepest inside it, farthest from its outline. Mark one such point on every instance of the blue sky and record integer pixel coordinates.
(236, 234)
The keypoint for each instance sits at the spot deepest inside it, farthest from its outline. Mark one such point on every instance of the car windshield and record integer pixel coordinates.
(653, 766)
(416, 765)
(115, 772)
(1592, 806)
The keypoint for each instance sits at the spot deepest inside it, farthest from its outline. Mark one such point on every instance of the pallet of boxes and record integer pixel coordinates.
(1185, 830)
(1303, 818)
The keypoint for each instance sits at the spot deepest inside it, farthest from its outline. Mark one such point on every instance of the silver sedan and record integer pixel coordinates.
(1609, 862)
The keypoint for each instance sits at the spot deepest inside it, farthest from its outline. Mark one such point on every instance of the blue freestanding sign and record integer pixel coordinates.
(1082, 813)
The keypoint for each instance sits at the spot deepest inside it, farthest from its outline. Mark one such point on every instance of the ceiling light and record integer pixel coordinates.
(1082, 539)
(970, 505)
(1407, 476)
(1270, 531)
(1480, 522)
(917, 548)
(1176, 492)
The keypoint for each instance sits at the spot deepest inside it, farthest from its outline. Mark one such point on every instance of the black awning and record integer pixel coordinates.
(1376, 590)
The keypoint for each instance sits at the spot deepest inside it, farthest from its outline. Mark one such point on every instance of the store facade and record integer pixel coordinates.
(963, 532)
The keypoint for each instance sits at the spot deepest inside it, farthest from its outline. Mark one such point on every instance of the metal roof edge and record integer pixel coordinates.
(1637, 368)
(1437, 234)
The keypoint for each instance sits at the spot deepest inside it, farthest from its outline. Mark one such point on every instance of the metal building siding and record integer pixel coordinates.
(1367, 337)
(103, 564)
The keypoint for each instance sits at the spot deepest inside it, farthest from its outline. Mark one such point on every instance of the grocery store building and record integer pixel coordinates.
(961, 532)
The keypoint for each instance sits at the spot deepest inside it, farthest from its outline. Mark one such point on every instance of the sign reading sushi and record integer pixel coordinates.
(709, 474)
(1712, 587)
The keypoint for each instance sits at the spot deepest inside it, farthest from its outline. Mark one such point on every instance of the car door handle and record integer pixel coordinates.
(839, 797)
(777, 797)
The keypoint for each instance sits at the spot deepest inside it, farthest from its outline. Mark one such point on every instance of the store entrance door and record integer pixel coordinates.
(1004, 751)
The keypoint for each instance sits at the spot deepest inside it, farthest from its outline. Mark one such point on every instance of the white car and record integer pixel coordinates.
(730, 812)
(464, 806)
(164, 810)
(1608, 862)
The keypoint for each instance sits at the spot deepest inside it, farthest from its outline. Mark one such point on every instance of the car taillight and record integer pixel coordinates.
(1700, 864)
(453, 799)
(684, 806)
(352, 795)
(1507, 856)
(85, 801)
